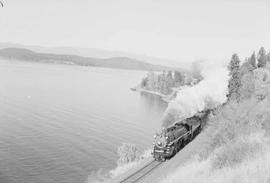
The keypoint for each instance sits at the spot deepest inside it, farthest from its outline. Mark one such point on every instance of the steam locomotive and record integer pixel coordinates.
(172, 139)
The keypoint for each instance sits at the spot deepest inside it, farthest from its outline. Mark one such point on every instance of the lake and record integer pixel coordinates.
(59, 123)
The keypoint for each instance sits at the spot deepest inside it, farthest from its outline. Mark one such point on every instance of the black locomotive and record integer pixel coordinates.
(170, 140)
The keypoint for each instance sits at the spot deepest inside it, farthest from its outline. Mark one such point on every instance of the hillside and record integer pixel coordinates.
(234, 147)
(235, 144)
(100, 53)
(23, 54)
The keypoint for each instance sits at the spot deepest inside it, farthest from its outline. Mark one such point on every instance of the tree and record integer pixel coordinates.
(151, 80)
(234, 64)
(268, 57)
(234, 82)
(144, 82)
(169, 80)
(169, 75)
(253, 60)
(179, 78)
(163, 84)
(261, 57)
(248, 65)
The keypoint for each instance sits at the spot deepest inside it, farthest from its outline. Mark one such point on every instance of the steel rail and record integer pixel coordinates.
(141, 170)
(147, 172)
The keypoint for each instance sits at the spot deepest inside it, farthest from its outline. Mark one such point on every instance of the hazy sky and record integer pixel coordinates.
(183, 30)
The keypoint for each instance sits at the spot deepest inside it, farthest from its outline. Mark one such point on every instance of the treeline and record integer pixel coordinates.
(164, 82)
(240, 75)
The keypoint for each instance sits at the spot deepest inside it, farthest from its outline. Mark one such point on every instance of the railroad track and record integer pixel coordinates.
(139, 174)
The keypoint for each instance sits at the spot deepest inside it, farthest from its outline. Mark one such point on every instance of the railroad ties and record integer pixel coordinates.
(139, 174)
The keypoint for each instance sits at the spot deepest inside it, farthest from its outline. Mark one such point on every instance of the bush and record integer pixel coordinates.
(128, 153)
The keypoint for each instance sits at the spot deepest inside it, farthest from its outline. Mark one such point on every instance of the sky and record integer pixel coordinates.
(182, 30)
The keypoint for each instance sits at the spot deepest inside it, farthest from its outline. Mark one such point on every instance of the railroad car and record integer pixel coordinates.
(172, 139)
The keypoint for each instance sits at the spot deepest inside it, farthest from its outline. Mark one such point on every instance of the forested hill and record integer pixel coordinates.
(23, 54)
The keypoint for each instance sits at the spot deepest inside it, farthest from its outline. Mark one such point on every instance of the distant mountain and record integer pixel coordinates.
(100, 53)
(114, 62)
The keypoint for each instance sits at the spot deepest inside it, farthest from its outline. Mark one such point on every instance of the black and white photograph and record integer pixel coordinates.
(134, 91)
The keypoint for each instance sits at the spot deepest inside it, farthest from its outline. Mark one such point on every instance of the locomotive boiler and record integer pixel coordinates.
(172, 139)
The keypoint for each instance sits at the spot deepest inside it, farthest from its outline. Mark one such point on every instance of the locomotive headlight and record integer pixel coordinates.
(159, 143)
(155, 136)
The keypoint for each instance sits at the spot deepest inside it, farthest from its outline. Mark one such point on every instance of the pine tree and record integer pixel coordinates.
(178, 78)
(253, 60)
(261, 57)
(151, 81)
(169, 80)
(163, 83)
(144, 82)
(234, 64)
(248, 65)
(234, 82)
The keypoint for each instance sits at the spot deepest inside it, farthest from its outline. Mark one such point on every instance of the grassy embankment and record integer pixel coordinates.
(237, 137)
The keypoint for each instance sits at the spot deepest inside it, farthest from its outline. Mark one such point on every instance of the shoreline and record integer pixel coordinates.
(162, 96)
(166, 98)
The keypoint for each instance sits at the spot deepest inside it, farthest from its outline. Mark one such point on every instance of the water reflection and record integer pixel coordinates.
(153, 102)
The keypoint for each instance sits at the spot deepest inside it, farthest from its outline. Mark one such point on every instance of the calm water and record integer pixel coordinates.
(60, 123)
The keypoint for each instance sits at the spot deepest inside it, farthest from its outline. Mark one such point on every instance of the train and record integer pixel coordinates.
(172, 139)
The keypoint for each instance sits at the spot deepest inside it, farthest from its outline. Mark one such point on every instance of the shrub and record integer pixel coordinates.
(127, 153)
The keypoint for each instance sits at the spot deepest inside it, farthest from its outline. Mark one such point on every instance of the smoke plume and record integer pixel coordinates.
(207, 94)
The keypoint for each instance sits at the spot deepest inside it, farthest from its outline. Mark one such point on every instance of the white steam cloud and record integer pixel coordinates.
(207, 94)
